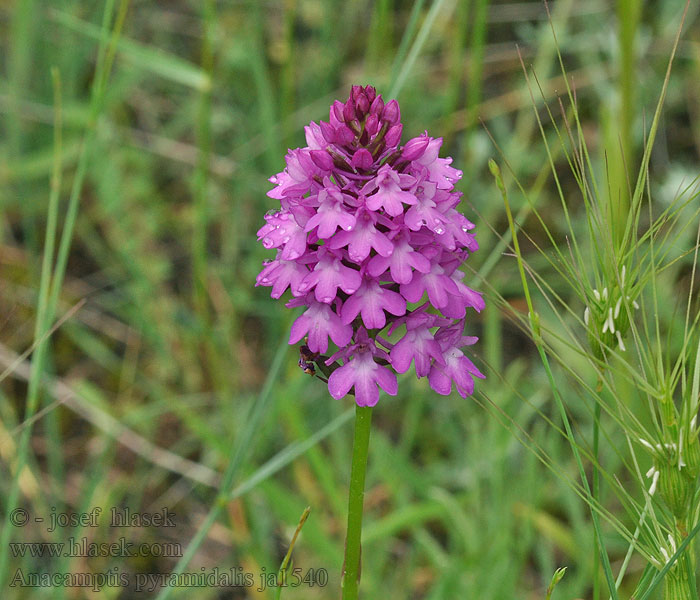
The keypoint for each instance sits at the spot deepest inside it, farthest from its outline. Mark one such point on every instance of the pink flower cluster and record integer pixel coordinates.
(366, 230)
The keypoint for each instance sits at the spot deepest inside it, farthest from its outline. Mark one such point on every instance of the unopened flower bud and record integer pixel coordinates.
(337, 111)
(393, 136)
(349, 111)
(344, 135)
(372, 124)
(377, 106)
(362, 104)
(322, 159)
(362, 159)
(328, 132)
(415, 148)
(391, 113)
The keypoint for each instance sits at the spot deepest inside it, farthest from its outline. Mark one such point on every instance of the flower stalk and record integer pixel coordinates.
(353, 549)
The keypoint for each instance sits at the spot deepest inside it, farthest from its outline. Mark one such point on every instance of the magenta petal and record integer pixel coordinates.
(419, 262)
(401, 355)
(474, 299)
(340, 333)
(400, 268)
(366, 391)
(299, 329)
(378, 265)
(472, 368)
(318, 337)
(350, 280)
(382, 244)
(296, 245)
(351, 309)
(413, 291)
(360, 246)
(436, 292)
(387, 381)
(454, 308)
(327, 286)
(314, 221)
(389, 200)
(372, 314)
(465, 387)
(439, 381)
(341, 239)
(422, 362)
(394, 303)
(341, 380)
(309, 281)
(464, 381)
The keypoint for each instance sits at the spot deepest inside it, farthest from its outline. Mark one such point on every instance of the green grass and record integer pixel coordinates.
(137, 139)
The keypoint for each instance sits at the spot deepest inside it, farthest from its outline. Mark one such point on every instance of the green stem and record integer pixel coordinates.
(201, 177)
(360, 447)
(628, 14)
(679, 582)
(676, 585)
(596, 496)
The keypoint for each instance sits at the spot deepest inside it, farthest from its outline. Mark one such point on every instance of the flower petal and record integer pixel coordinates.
(341, 380)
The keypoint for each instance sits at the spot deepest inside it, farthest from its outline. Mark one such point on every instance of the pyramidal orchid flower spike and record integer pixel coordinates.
(370, 243)
(368, 239)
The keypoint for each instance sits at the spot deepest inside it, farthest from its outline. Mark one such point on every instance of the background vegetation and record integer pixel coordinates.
(169, 381)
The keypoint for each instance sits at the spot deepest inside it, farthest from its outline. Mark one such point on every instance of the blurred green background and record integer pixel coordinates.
(175, 371)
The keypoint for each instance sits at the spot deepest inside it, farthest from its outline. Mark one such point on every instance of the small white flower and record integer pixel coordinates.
(654, 474)
(620, 343)
(613, 312)
(609, 322)
(643, 442)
